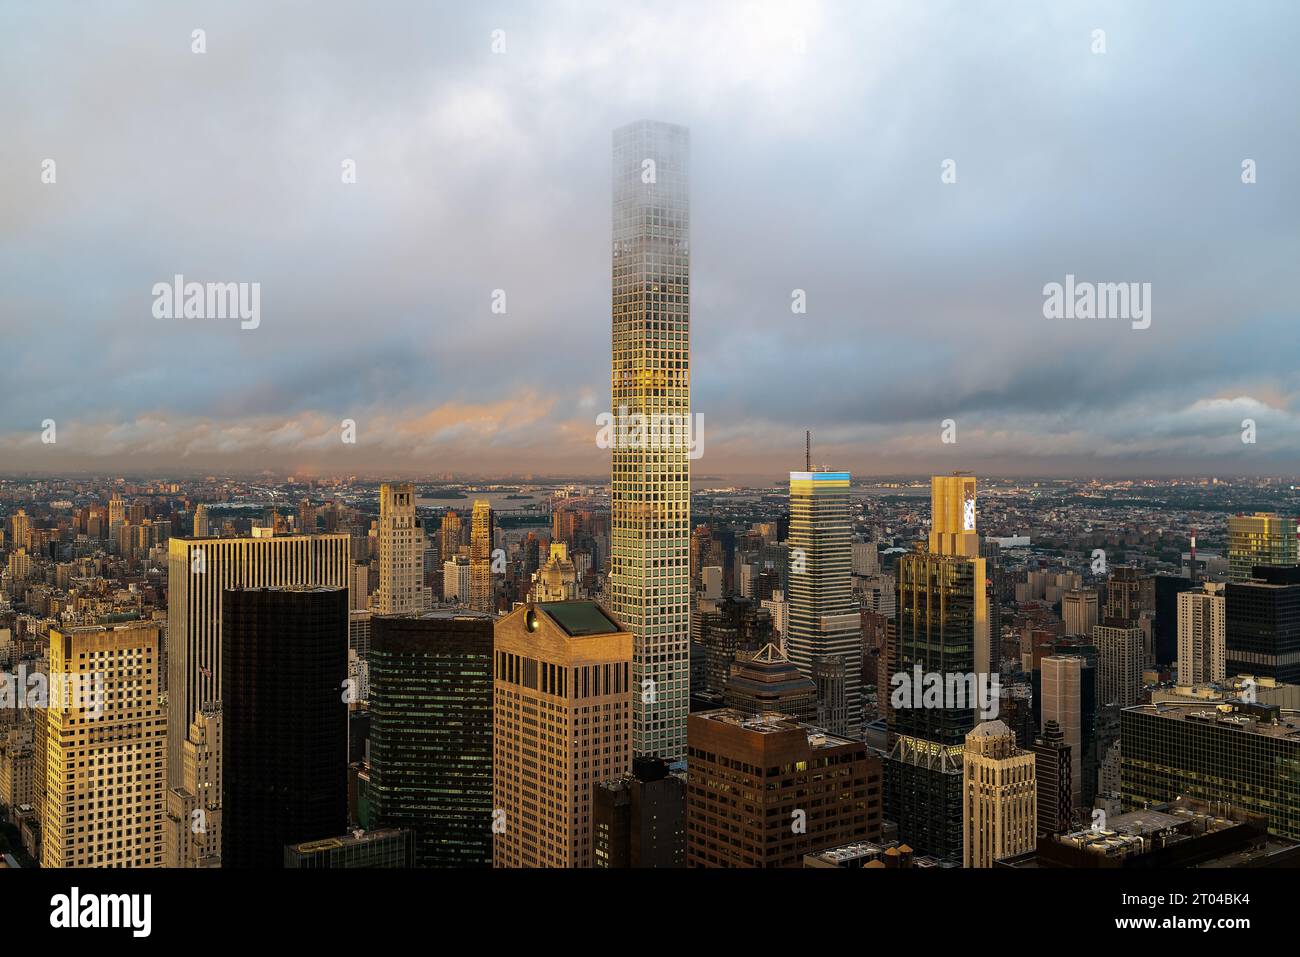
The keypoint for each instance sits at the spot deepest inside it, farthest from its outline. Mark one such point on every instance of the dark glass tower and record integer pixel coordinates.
(284, 662)
(937, 616)
(1263, 624)
(431, 734)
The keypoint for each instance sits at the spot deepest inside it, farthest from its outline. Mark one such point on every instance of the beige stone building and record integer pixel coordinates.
(561, 723)
(105, 758)
(999, 796)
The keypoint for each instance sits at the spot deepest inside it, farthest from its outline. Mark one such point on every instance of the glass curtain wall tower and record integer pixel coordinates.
(651, 480)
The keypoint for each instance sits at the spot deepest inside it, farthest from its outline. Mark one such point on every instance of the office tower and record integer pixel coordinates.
(999, 809)
(192, 836)
(769, 681)
(360, 587)
(456, 581)
(104, 758)
(1126, 594)
(1236, 753)
(763, 791)
(1262, 629)
(307, 517)
(1063, 704)
(650, 488)
(401, 552)
(725, 629)
(561, 717)
(557, 580)
(1079, 611)
(431, 734)
(1264, 538)
(20, 526)
(639, 818)
(1053, 774)
(116, 510)
(201, 521)
(824, 622)
(1119, 662)
(388, 847)
(952, 532)
(1201, 635)
(451, 537)
(480, 558)
(1164, 630)
(938, 614)
(198, 572)
(284, 756)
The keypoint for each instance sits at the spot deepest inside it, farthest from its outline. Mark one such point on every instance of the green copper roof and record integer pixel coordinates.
(580, 618)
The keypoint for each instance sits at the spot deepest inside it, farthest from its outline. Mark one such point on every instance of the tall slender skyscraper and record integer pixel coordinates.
(401, 552)
(650, 491)
(825, 627)
(480, 557)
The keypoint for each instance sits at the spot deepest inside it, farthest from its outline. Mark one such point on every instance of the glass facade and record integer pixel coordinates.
(651, 478)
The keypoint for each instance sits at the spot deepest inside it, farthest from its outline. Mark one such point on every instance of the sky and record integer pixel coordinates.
(481, 134)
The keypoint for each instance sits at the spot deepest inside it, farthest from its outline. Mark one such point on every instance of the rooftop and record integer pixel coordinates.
(580, 618)
(773, 722)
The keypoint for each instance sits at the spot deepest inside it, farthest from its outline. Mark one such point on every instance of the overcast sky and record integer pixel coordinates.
(818, 134)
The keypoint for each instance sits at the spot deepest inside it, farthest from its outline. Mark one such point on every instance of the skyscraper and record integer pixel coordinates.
(431, 734)
(480, 557)
(1201, 635)
(1053, 775)
(999, 807)
(1263, 625)
(1079, 611)
(561, 715)
(193, 826)
(764, 790)
(450, 534)
(284, 663)
(200, 521)
(104, 749)
(401, 552)
(952, 532)
(1119, 662)
(937, 615)
(1264, 538)
(199, 570)
(824, 623)
(650, 491)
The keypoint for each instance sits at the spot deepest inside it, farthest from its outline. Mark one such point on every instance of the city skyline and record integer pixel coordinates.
(374, 291)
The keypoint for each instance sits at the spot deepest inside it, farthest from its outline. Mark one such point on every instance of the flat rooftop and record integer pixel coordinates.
(1229, 715)
(774, 722)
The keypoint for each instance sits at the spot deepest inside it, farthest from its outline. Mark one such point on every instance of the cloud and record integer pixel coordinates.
(818, 131)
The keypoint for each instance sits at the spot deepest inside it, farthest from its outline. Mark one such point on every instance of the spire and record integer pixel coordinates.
(807, 451)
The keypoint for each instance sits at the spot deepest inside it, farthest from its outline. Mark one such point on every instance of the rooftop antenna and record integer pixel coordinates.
(807, 451)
